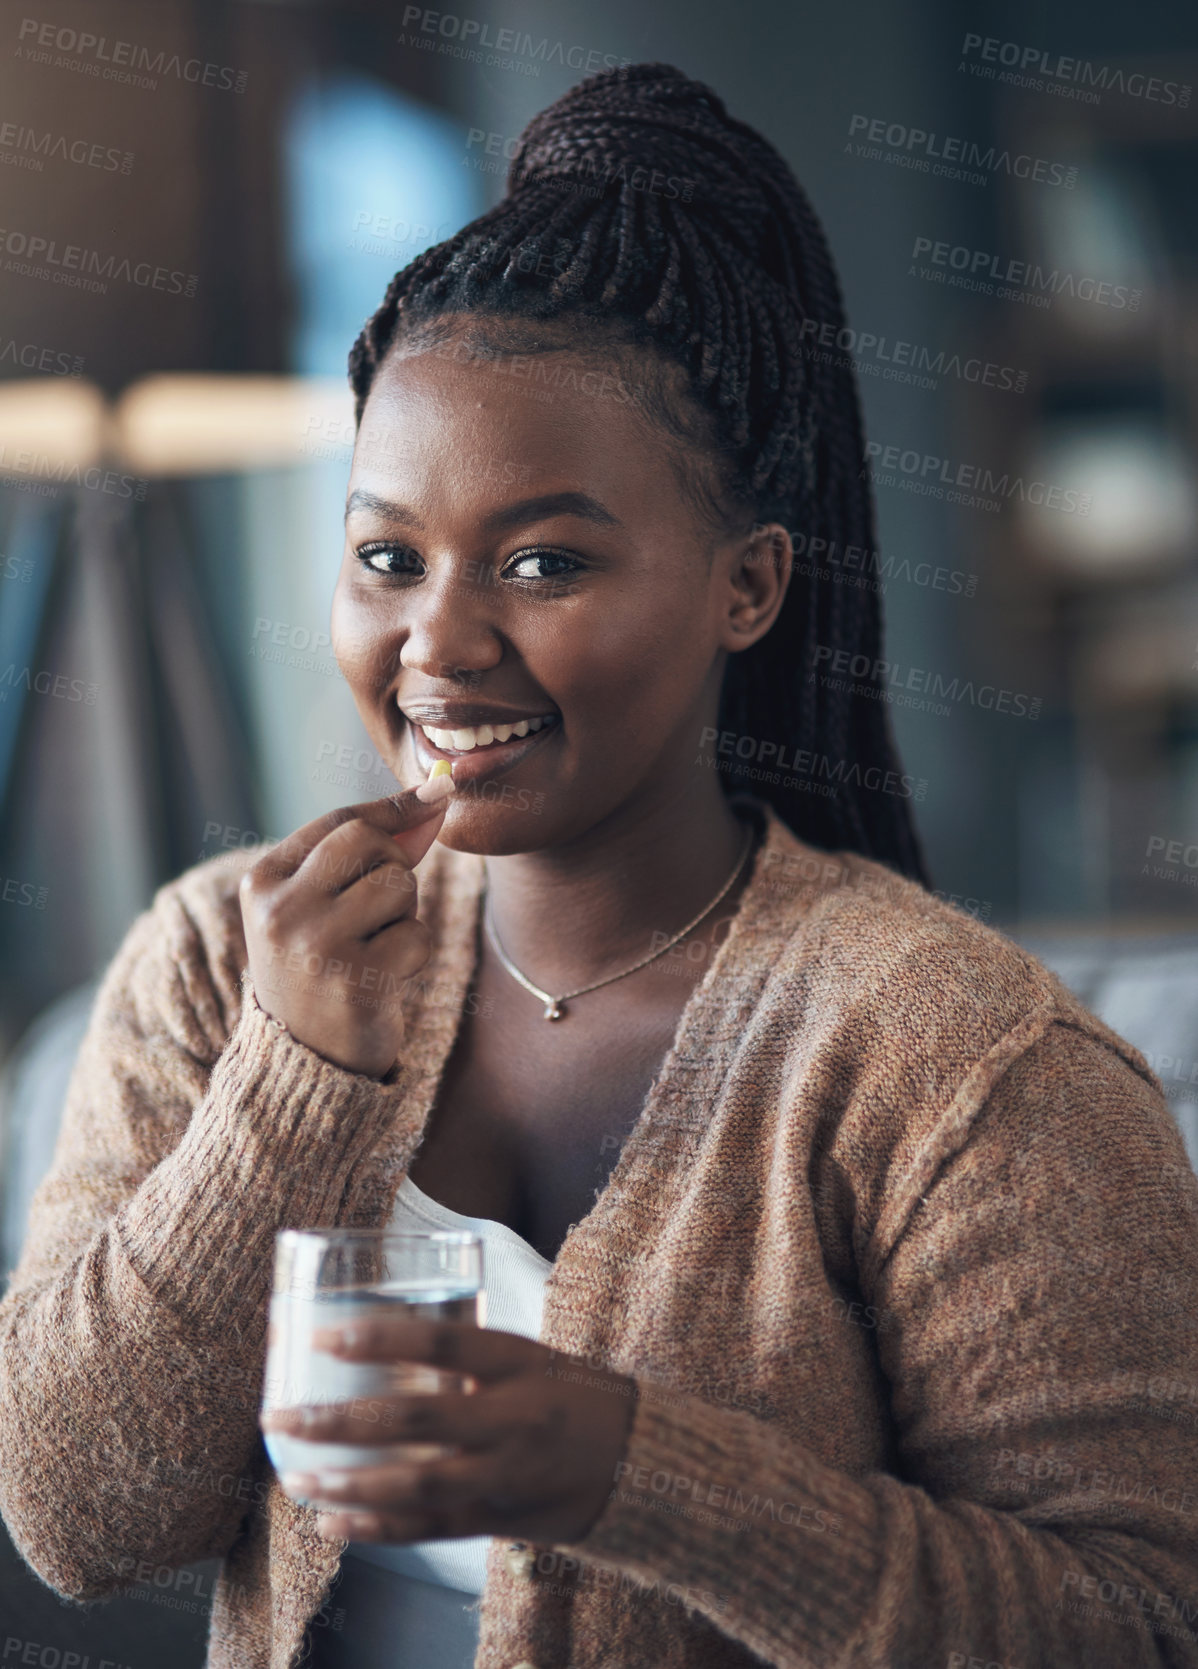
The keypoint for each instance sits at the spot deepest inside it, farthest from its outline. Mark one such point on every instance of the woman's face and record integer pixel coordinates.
(511, 557)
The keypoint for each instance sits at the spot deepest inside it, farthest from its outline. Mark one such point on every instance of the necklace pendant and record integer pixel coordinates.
(554, 1011)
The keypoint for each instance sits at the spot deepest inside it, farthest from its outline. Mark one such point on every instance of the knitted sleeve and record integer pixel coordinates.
(1038, 1326)
(132, 1335)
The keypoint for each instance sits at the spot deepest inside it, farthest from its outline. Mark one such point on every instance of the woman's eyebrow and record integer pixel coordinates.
(568, 503)
(362, 500)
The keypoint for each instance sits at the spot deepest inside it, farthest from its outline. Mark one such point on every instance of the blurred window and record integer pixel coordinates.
(373, 179)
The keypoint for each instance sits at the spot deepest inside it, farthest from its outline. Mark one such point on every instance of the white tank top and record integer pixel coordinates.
(514, 1277)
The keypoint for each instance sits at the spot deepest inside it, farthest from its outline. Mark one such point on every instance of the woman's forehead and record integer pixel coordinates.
(516, 417)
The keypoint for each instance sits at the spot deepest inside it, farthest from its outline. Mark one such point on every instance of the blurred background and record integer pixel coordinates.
(204, 199)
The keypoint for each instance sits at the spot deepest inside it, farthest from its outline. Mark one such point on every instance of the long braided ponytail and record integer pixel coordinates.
(667, 227)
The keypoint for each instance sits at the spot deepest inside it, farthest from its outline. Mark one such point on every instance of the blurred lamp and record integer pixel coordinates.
(1124, 502)
(51, 431)
(189, 425)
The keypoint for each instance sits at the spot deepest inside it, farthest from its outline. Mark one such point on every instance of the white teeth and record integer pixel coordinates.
(480, 736)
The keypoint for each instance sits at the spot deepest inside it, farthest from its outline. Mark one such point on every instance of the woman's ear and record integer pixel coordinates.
(758, 575)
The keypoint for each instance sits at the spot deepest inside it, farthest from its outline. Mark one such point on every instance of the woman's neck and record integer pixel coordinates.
(568, 915)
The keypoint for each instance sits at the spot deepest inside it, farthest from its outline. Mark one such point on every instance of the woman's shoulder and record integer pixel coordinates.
(897, 961)
(904, 1018)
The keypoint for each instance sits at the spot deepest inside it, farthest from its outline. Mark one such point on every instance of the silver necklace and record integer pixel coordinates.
(554, 1009)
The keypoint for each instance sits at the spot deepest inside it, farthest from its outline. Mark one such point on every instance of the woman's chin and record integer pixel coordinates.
(488, 831)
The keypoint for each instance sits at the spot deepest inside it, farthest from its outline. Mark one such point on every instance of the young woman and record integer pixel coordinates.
(786, 1169)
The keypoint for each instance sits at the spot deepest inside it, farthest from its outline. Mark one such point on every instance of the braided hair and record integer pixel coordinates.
(644, 224)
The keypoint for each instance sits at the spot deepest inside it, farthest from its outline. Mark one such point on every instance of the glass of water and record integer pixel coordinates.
(328, 1277)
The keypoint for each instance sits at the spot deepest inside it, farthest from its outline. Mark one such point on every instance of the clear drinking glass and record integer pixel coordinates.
(326, 1277)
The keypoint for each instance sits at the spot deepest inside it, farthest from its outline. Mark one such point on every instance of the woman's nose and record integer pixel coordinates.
(452, 631)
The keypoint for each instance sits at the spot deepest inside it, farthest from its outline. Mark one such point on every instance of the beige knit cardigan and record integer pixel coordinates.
(902, 1253)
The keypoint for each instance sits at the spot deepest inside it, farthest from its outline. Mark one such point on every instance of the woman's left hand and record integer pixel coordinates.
(536, 1443)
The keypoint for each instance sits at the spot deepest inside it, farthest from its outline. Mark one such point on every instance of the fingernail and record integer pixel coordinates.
(440, 783)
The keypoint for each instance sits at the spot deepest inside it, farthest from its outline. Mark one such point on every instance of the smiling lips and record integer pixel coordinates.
(469, 737)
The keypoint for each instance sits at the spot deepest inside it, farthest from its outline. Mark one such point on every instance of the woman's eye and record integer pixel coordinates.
(384, 559)
(400, 560)
(567, 564)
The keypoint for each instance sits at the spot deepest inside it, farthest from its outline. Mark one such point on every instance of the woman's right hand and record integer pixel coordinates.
(331, 930)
